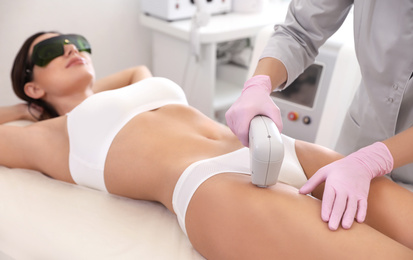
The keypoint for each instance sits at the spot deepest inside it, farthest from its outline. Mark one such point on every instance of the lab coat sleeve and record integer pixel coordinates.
(308, 24)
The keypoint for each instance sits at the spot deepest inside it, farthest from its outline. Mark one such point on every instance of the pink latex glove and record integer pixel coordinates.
(254, 100)
(348, 183)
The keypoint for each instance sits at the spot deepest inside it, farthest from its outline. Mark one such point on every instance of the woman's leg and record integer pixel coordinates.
(390, 210)
(390, 207)
(229, 218)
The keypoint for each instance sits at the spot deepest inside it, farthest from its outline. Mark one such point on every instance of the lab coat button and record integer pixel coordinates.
(395, 87)
(390, 100)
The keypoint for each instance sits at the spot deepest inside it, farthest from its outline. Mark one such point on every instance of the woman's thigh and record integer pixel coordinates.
(390, 210)
(229, 218)
(390, 206)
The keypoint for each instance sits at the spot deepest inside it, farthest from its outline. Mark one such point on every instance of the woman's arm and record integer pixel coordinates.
(18, 112)
(122, 79)
(14, 147)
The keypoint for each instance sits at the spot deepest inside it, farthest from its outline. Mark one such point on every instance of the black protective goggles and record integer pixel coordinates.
(45, 51)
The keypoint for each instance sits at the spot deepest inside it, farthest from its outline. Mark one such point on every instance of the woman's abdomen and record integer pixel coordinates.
(149, 154)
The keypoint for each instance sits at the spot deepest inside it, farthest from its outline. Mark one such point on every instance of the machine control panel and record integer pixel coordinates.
(302, 103)
(294, 116)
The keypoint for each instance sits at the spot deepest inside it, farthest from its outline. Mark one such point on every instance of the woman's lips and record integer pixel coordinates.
(76, 61)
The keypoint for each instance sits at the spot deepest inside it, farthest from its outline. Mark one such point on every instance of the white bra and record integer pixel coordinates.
(94, 123)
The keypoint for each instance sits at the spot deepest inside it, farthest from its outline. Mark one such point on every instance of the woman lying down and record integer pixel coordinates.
(144, 142)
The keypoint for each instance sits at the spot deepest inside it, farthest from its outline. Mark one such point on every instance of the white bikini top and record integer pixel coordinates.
(94, 123)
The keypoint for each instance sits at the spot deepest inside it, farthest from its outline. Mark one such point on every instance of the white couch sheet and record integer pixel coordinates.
(42, 218)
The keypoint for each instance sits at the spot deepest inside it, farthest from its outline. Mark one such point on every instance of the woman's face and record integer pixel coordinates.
(66, 74)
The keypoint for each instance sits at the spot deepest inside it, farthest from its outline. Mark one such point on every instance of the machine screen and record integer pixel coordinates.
(304, 89)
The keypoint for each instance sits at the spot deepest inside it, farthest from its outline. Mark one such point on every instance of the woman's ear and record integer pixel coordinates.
(32, 90)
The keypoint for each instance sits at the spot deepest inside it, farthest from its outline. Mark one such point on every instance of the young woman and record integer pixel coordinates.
(144, 142)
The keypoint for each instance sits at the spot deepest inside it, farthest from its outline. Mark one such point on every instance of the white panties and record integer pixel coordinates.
(234, 162)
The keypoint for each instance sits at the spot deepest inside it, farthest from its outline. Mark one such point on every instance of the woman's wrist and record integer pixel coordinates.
(21, 112)
(24, 111)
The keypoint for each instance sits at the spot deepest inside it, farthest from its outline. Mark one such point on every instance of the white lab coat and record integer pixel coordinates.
(383, 35)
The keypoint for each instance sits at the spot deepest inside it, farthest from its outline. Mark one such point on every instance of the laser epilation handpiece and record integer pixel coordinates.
(266, 151)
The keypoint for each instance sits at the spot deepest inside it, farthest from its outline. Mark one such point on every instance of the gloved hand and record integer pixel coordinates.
(348, 183)
(254, 100)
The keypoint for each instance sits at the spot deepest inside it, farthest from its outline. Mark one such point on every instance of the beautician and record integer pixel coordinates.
(377, 131)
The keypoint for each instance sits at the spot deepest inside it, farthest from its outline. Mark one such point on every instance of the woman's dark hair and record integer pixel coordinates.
(22, 72)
